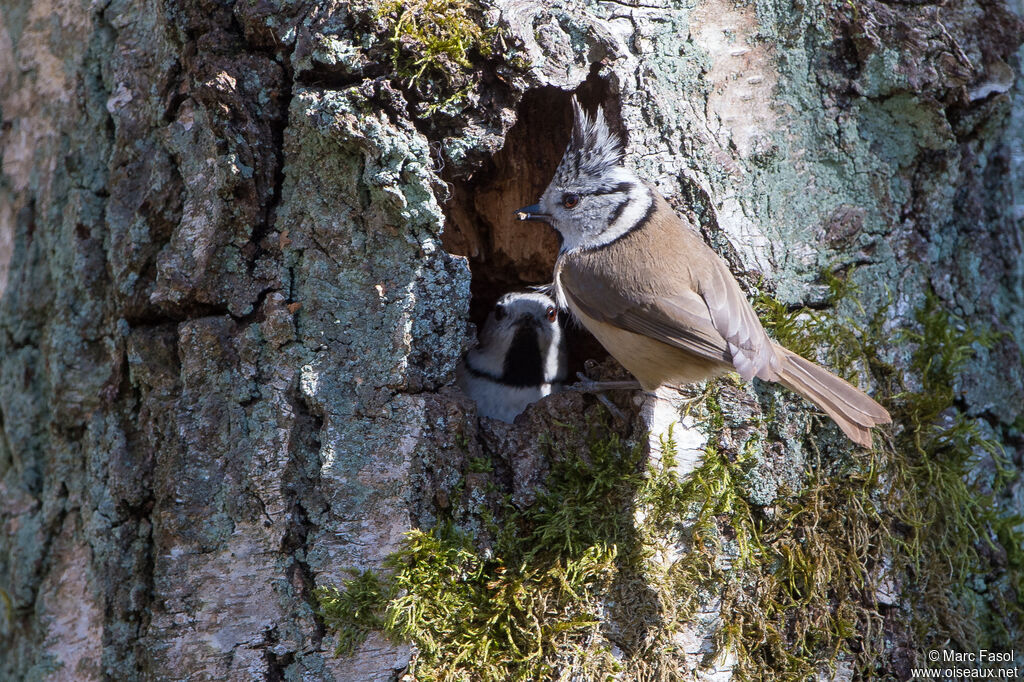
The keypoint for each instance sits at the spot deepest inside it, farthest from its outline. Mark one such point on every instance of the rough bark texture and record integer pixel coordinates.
(230, 318)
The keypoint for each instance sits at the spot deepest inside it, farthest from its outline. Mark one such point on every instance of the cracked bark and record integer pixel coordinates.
(228, 315)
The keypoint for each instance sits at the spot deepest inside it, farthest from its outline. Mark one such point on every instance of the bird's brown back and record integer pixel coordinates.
(662, 280)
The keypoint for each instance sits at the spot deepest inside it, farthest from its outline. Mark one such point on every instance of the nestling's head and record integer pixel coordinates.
(522, 333)
(593, 198)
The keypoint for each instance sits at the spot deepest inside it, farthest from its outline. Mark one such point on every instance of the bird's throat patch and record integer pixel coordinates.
(523, 364)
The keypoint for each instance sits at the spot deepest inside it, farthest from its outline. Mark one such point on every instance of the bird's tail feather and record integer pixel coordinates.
(848, 406)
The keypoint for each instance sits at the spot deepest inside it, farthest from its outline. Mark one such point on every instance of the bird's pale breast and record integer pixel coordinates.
(652, 362)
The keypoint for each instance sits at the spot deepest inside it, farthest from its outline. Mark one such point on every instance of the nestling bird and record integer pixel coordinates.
(520, 356)
(644, 283)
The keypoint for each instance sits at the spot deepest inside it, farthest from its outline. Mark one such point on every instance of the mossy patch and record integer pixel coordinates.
(512, 612)
(435, 47)
(432, 38)
(902, 535)
(877, 557)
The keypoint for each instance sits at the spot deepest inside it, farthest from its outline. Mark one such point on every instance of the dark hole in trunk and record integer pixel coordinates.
(505, 254)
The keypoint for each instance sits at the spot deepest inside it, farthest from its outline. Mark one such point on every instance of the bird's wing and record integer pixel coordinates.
(703, 312)
(753, 353)
(681, 321)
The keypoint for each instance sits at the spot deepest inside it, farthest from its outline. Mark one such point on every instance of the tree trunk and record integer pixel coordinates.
(240, 243)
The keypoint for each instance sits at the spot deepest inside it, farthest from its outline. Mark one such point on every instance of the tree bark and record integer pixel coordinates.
(237, 262)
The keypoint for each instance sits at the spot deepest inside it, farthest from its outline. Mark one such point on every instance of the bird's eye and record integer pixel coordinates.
(570, 200)
(499, 312)
(551, 314)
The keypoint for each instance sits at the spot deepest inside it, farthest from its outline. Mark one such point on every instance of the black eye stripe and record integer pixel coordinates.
(618, 211)
(614, 189)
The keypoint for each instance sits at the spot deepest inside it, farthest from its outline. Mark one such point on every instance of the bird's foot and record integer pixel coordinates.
(588, 385)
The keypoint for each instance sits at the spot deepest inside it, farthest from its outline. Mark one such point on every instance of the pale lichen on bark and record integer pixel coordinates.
(236, 275)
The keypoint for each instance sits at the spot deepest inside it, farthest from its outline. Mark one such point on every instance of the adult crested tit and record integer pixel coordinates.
(666, 306)
(520, 356)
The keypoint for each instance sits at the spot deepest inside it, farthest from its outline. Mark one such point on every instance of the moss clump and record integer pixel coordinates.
(434, 47)
(432, 38)
(810, 596)
(707, 515)
(469, 617)
(351, 613)
(908, 523)
(877, 558)
(511, 613)
(959, 552)
(8, 610)
(843, 346)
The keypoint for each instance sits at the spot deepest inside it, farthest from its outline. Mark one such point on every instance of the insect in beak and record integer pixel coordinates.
(531, 213)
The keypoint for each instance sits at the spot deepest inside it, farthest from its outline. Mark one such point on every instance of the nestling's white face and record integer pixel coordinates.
(520, 325)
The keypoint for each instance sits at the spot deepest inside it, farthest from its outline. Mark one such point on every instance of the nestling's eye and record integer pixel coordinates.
(551, 314)
(570, 200)
(499, 312)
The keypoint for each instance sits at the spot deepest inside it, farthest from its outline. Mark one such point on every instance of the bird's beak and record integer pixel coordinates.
(528, 320)
(531, 213)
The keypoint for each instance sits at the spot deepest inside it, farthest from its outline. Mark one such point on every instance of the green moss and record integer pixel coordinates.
(480, 465)
(816, 334)
(952, 530)
(878, 554)
(791, 327)
(909, 521)
(508, 614)
(351, 613)
(811, 594)
(909, 518)
(431, 37)
(432, 46)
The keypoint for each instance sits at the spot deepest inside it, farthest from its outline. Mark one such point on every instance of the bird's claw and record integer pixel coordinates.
(587, 385)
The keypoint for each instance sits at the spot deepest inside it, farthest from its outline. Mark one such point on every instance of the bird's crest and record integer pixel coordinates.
(593, 149)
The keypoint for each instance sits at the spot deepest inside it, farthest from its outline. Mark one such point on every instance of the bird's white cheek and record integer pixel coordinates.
(553, 357)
